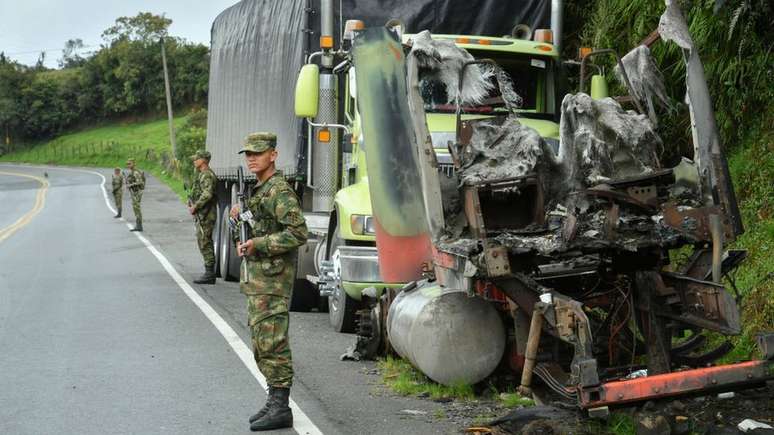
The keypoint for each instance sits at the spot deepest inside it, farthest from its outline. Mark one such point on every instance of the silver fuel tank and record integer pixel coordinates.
(449, 336)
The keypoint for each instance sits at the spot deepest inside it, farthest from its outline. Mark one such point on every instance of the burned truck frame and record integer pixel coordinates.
(554, 262)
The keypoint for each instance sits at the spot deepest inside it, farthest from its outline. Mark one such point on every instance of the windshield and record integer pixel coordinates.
(531, 76)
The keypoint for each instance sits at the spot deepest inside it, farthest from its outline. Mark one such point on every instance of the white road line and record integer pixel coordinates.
(301, 422)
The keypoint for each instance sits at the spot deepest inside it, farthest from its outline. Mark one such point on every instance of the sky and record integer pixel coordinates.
(28, 27)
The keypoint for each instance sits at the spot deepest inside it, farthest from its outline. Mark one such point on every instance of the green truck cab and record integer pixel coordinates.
(348, 255)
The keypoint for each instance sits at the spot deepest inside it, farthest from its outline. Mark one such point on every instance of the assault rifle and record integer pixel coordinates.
(244, 215)
(188, 194)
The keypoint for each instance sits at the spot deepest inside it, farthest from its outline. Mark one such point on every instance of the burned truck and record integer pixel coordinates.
(551, 261)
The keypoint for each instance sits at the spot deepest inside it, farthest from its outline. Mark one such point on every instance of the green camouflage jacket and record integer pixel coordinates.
(203, 192)
(118, 183)
(277, 229)
(135, 180)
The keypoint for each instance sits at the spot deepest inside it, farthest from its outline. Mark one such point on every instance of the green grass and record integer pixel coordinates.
(617, 424)
(514, 400)
(109, 146)
(752, 170)
(400, 376)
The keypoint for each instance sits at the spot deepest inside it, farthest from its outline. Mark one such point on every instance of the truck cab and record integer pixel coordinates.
(347, 256)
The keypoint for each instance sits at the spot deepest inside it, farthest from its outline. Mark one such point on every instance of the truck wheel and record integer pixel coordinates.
(342, 309)
(226, 248)
(304, 296)
(322, 302)
(216, 237)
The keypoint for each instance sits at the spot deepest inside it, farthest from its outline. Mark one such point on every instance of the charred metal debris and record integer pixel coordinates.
(571, 245)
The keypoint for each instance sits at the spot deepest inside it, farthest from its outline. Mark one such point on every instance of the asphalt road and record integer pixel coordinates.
(97, 336)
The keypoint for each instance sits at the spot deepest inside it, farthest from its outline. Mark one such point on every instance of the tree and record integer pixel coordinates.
(124, 77)
(144, 27)
(70, 57)
(40, 65)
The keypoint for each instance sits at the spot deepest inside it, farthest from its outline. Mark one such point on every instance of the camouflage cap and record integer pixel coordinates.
(259, 142)
(130, 160)
(201, 154)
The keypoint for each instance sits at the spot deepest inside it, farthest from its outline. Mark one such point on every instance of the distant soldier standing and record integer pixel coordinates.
(202, 205)
(118, 191)
(135, 182)
(277, 229)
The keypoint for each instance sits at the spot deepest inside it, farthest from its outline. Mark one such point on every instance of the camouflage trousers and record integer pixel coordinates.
(136, 198)
(268, 320)
(119, 199)
(205, 224)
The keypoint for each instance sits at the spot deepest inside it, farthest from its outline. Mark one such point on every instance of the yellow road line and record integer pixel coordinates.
(40, 202)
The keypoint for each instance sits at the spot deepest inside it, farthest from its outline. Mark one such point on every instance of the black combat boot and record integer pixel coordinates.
(118, 215)
(137, 227)
(208, 277)
(265, 408)
(279, 414)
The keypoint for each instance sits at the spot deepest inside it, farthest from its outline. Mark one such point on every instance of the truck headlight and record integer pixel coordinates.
(362, 224)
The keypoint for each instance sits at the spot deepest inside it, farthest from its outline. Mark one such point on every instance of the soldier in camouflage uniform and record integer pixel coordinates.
(118, 191)
(135, 182)
(202, 204)
(277, 229)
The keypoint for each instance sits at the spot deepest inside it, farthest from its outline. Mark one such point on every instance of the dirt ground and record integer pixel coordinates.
(701, 415)
(694, 415)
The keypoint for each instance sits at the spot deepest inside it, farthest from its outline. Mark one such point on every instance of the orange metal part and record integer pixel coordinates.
(677, 383)
(401, 257)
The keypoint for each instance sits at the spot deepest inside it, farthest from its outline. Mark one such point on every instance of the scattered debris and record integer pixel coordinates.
(351, 354)
(653, 425)
(637, 374)
(475, 430)
(515, 420)
(413, 412)
(750, 425)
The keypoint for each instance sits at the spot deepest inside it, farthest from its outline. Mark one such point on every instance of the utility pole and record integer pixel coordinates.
(169, 100)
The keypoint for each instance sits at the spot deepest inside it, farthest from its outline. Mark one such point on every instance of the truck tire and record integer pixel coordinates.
(304, 296)
(226, 250)
(216, 234)
(342, 309)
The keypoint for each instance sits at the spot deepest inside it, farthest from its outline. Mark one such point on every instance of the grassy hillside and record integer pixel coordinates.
(752, 169)
(109, 146)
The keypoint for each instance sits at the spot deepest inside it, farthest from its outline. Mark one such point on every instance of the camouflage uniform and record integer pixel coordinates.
(277, 230)
(135, 182)
(118, 192)
(205, 201)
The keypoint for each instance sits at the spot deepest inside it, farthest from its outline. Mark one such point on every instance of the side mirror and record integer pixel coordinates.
(307, 91)
(598, 87)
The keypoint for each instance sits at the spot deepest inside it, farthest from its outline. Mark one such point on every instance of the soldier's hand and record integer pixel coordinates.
(234, 211)
(192, 210)
(245, 249)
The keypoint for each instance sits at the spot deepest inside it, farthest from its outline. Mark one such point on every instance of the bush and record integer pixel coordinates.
(197, 118)
(188, 142)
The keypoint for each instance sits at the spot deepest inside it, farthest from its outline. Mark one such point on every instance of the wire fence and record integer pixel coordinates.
(104, 149)
(98, 153)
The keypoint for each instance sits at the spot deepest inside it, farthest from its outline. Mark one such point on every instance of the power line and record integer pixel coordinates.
(47, 50)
